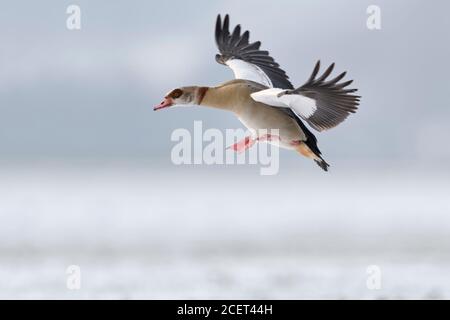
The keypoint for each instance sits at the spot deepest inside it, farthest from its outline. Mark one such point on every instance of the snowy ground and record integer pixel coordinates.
(178, 232)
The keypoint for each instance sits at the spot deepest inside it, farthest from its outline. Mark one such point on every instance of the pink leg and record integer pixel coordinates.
(242, 145)
(268, 137)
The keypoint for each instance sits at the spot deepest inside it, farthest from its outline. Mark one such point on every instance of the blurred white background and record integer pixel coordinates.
(86, 177)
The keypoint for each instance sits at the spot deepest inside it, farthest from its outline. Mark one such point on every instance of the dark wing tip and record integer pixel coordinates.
(234, 45)
(218, 30)
(315, 72)
(226, 23)
(327, 72)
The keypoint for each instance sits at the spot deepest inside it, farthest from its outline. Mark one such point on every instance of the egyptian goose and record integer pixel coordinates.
(262, 97)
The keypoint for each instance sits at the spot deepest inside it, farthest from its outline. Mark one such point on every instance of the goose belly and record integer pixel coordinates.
(262, 121)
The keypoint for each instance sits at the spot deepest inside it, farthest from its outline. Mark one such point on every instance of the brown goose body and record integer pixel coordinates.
(235, 96)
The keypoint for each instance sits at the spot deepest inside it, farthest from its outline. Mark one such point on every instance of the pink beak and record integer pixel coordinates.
(167, 102)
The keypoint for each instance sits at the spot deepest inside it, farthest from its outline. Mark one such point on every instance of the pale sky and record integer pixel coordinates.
(89, 93)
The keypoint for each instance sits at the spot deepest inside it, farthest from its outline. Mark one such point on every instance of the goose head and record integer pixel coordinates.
(180, 96)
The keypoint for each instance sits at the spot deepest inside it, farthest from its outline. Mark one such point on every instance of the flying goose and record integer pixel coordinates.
(262, 97)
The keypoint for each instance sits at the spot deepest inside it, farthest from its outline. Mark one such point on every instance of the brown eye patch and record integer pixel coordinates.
(176, 93)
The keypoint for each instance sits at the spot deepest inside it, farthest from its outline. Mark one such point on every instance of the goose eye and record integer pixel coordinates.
(176, 93)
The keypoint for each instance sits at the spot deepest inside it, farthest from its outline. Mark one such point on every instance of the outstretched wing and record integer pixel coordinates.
(323, 104)
(246, 59)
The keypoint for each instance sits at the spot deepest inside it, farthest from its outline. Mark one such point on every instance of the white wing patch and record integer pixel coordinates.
(248, 71)
(303, 106)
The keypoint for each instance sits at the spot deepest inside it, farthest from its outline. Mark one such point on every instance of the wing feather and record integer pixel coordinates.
(333, 103)
(258, 65)
(323, 104)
